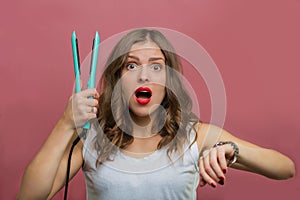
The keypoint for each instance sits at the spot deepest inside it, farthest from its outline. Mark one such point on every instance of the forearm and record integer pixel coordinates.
(40, 174)
(214, 162)
(267, 162)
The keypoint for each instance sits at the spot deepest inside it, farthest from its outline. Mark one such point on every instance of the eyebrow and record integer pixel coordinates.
(150, 59)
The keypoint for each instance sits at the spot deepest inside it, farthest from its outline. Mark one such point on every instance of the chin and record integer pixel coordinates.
(140, 112)
(144, 111)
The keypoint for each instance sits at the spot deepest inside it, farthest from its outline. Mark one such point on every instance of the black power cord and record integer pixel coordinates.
(81, 135)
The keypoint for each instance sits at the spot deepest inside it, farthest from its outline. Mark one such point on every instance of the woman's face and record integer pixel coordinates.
(143, 80)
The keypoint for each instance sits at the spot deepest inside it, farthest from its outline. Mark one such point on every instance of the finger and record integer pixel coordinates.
(222, 159)
(90, 109)
(91, 116)
(90, 102)
(204, 176)
(213, 160)
(97, 95)
(208, 168)
(81, 104)
(201, 172)
(90, 92)
(83, 118)
(93, 110)
(202, 183)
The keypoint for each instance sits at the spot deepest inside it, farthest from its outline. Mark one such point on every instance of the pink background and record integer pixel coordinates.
(254, 43)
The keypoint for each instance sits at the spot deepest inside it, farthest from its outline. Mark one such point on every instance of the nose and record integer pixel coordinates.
(143, 74)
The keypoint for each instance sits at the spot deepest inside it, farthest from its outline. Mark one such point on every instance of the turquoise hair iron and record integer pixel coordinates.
(91, 84)
(93, 66)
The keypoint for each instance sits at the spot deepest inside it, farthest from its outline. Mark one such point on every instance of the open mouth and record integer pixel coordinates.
(143, 95)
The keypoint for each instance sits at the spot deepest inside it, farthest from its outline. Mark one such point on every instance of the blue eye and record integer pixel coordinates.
(156, 67)
(131, 66)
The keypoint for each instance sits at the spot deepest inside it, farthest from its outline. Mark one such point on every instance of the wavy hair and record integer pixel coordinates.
(116, 124)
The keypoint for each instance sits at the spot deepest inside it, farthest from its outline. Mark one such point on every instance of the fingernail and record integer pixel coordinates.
(213, 185)
(221, 182)
(222, 178)
(224, 171)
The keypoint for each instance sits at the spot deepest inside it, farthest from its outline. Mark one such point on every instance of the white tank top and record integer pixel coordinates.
(150, 177)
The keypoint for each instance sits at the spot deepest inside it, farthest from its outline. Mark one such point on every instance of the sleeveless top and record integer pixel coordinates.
(155, 176)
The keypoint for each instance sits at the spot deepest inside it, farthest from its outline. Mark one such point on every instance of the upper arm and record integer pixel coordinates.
(76, 163)
(209, 134)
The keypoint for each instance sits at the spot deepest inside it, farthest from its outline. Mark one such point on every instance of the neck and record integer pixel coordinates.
(142, 126)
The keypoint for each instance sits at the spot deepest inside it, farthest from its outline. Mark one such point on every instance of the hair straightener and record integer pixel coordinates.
(91, 84)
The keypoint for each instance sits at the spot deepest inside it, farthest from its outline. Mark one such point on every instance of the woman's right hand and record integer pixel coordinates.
(81, 108)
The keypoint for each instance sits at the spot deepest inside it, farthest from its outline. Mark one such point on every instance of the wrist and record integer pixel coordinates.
(235, 151)
(66, 124)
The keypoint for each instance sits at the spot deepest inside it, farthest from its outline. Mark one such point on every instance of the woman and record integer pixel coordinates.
(146, 143)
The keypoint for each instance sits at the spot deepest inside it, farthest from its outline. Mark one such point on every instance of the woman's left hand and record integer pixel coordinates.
(213, 165)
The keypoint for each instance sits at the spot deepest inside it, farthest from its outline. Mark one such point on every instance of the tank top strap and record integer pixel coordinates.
(194, 151)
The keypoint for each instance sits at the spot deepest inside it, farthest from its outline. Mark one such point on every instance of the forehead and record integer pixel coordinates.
(146, 48)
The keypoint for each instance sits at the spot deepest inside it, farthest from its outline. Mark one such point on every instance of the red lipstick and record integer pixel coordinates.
(143, 95)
